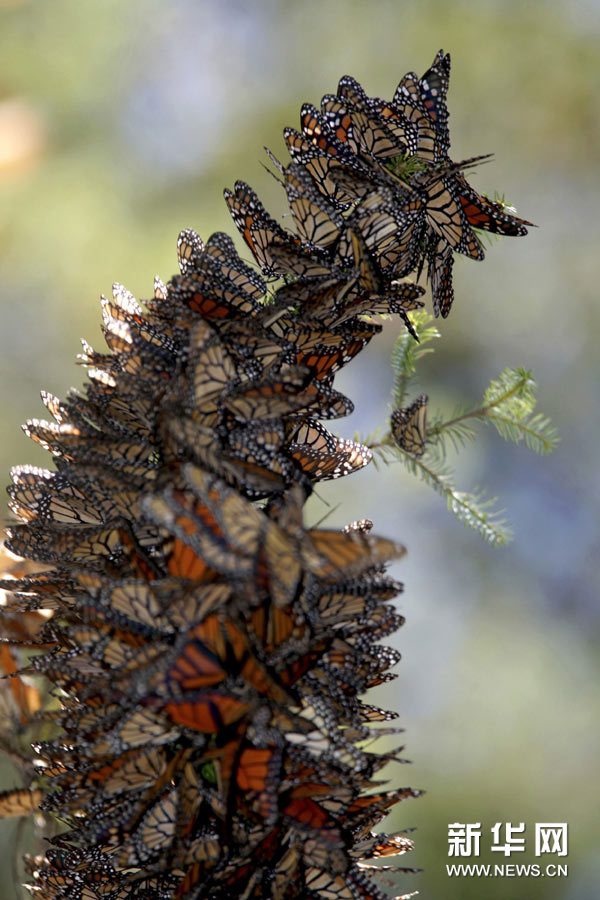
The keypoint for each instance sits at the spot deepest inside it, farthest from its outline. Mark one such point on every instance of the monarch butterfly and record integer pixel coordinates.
(124, 304)
(197, 439)
(429, 94)
(254, 348)
(408, 101)
(379, 845)
(197, 665)
(42, 495)
(212, 298)
(439, 271)
(302, 336)
(433, 87)
(183, 562)
(322, 160)
(214, 650)
(318, 222)
(378, 221)
(443, 210)
(285, 871)
(135, 458)
(352, 248)
(328, 404)
(131, 605)
(488, 214)
(138, 728)
(316, 129)
(240, 540)
(247, 470)
(330, 554)
(337, 349)
(305, 812)
(55, 407)
(20, 802)
(370, 713)
(313, 297)
(257, 771)
(153, 834)
(273, 625)
(248, 213)
(242, 464)
(349, 886)
(212, 370)
(142, 347)
(110, 495)
(254, 766)
(322, 455)
(398, 257)
(409, 426)
(337, 607)
(370, 130)
(190, 248)
(133, 771)
(276, 251)
(197, 603)
(207, 711)
(271, 397)
(216, 260)
(257, 441)
(123, 415)
(160, 293)
(240, 765)
(193, 524)
(367, 811)
(337, 116)
(220, 251)
(85, 545)
(399, 302)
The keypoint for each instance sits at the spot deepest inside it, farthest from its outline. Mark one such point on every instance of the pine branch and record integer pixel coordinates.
(440, 434)
(407, 352)
(472, 509)
(508, 403)
(511, 384)
(537, 432)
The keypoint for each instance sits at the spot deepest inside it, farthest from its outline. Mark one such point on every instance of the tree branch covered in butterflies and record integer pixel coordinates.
(201, 653)
(421, 442)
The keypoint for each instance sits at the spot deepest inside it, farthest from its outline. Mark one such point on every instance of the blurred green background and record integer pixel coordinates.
(121, 122)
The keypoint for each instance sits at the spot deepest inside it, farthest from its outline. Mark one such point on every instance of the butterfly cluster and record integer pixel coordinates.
(383, 195)
(207, 650)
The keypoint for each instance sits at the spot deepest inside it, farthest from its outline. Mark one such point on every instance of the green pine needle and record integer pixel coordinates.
(440, 434)
(407, 352)
(474, 510)
(509, 404)
(404, 167)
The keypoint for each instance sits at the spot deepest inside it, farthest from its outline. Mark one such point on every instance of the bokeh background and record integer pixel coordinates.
(121, 122)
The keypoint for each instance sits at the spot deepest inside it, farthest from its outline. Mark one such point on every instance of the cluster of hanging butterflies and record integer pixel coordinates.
(374, 193)
(205, 648)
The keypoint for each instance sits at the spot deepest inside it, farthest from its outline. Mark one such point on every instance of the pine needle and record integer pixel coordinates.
(407, 352)
(474, 510)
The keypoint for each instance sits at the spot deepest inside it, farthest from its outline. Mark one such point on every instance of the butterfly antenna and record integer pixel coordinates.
(329, 513)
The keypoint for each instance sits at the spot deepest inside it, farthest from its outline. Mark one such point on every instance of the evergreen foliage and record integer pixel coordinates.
(508, 404)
